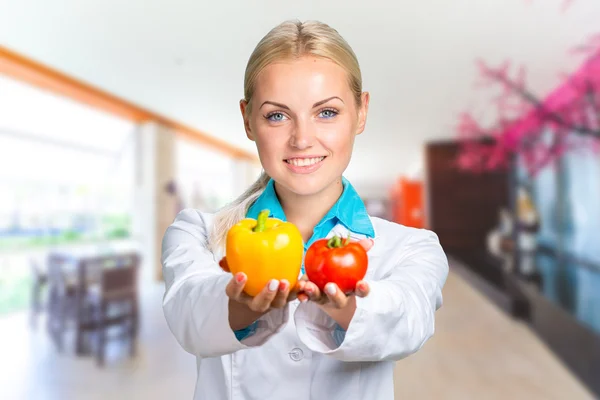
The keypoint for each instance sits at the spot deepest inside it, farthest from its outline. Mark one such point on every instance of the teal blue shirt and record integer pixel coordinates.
(349, 210)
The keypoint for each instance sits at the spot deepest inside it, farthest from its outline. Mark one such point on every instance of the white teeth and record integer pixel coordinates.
(304, 162)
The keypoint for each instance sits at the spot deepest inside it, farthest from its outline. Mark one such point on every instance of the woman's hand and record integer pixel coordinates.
(244, 309)
(333, 296)
(334, 302)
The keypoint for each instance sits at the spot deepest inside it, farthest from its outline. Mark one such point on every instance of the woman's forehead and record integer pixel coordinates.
(307, 77)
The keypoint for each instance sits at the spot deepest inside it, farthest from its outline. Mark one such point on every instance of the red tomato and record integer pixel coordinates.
(333, 260)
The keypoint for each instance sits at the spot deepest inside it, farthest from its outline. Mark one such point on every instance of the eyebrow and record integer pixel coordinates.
(317, 104)
(275, 104)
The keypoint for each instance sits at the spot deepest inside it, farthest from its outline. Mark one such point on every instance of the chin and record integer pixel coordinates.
(304, 185)
(305, 190)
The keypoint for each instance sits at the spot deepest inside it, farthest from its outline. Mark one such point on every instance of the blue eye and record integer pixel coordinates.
(276, 117)
(328, 114)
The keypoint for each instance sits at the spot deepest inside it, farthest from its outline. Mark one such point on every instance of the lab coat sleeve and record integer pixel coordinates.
(195, 304)
(396, 318)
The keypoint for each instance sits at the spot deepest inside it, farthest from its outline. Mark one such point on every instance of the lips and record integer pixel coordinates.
(304, 161)
(304, 165)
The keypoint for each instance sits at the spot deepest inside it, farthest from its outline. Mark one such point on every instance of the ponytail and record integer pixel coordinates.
(235, 211)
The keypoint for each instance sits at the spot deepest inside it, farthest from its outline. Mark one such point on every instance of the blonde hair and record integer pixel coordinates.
(289, 40)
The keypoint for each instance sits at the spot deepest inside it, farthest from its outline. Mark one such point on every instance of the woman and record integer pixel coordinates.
(303, 107)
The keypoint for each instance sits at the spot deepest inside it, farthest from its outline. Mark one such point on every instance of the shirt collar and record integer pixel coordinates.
(349, 209)
(267, 201)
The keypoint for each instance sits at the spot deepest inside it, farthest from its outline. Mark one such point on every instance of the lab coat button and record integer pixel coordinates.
(296, 354)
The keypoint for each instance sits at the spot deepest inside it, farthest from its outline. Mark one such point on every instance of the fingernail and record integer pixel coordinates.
(240, 277)
(330, 288)
(362, 287)
(273, 285)
(283, 285)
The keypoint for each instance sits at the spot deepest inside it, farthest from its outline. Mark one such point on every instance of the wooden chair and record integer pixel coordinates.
(115, 302)
(40, 280)
(62, 299)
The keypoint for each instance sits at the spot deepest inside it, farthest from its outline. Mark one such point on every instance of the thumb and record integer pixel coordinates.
(362, 289)
(366, 244)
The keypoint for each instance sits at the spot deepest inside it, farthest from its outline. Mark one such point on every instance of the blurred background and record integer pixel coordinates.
(484, 126)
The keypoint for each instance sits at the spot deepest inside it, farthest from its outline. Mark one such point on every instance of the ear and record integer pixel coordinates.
(246, 117)
(362, 112)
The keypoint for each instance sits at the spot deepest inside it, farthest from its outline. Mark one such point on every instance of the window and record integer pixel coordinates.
(66, 170)
(66, 178)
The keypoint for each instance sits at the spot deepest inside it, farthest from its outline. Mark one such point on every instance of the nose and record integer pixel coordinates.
(303, 136)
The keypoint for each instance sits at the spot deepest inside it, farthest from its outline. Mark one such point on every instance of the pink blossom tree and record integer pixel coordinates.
(536, 130)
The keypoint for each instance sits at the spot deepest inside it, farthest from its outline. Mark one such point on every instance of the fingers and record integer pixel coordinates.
(275, 294)
(303, 297)
(298, 291)
(313, 293)
(223, 264)
(281, 298)
(332, 295)
(336, 297)
(262, 301)
(235, 287)
(366, 244)
(362, 289)
(312, 290)
(300, 285)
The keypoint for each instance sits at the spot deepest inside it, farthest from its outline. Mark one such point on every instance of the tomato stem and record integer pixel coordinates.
(347, 241)
(261, 221)
(335, 242)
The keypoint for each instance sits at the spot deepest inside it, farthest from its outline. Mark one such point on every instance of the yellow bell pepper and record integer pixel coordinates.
(264, 249)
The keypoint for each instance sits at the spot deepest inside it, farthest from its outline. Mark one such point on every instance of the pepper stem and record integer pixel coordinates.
(261, 221)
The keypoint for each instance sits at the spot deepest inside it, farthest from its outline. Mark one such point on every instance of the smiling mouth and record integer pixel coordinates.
(304, 162)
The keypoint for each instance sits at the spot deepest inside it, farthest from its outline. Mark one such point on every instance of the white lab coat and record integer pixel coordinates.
(293, 355)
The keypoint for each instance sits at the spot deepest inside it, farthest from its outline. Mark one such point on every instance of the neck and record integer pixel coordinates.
(306, 211)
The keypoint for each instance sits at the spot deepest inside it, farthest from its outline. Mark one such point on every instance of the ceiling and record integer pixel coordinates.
(185, 59)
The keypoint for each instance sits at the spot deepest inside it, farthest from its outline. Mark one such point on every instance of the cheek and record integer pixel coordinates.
(270, 145)
(338, 138)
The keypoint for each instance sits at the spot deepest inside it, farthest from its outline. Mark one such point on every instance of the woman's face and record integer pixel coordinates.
(304, 120)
